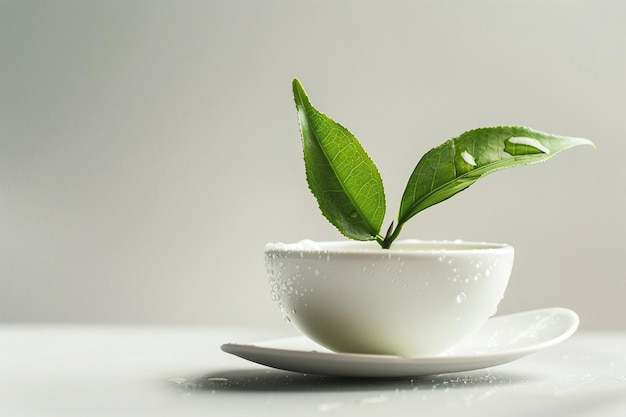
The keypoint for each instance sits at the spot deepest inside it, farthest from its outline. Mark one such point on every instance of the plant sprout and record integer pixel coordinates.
(349, 189)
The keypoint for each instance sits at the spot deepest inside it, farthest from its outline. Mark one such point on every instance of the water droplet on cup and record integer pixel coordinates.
(460, 298)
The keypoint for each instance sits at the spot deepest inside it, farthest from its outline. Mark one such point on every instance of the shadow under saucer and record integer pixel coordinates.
(272, 380)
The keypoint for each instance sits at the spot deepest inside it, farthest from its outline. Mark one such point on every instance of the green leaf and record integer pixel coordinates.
(458, 163)
(340, 174)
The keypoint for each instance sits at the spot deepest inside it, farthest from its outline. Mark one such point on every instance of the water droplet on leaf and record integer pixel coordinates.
(469, 158)
(530, 142)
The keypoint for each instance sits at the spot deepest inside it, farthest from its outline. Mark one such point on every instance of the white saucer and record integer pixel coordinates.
(502, 339)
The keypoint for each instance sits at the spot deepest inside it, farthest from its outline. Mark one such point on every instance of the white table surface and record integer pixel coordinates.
(71, 370)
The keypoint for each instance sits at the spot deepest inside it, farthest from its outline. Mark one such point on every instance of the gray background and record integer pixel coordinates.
(149, 149)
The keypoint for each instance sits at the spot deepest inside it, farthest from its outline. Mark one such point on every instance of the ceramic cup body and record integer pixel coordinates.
(418, 298)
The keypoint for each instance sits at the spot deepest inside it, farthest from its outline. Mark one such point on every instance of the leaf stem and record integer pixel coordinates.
(392, 234)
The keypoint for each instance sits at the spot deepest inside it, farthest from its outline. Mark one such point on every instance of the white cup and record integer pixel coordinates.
(418, 298)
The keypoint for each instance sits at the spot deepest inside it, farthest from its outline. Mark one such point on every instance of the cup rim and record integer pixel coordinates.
(405, 247)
